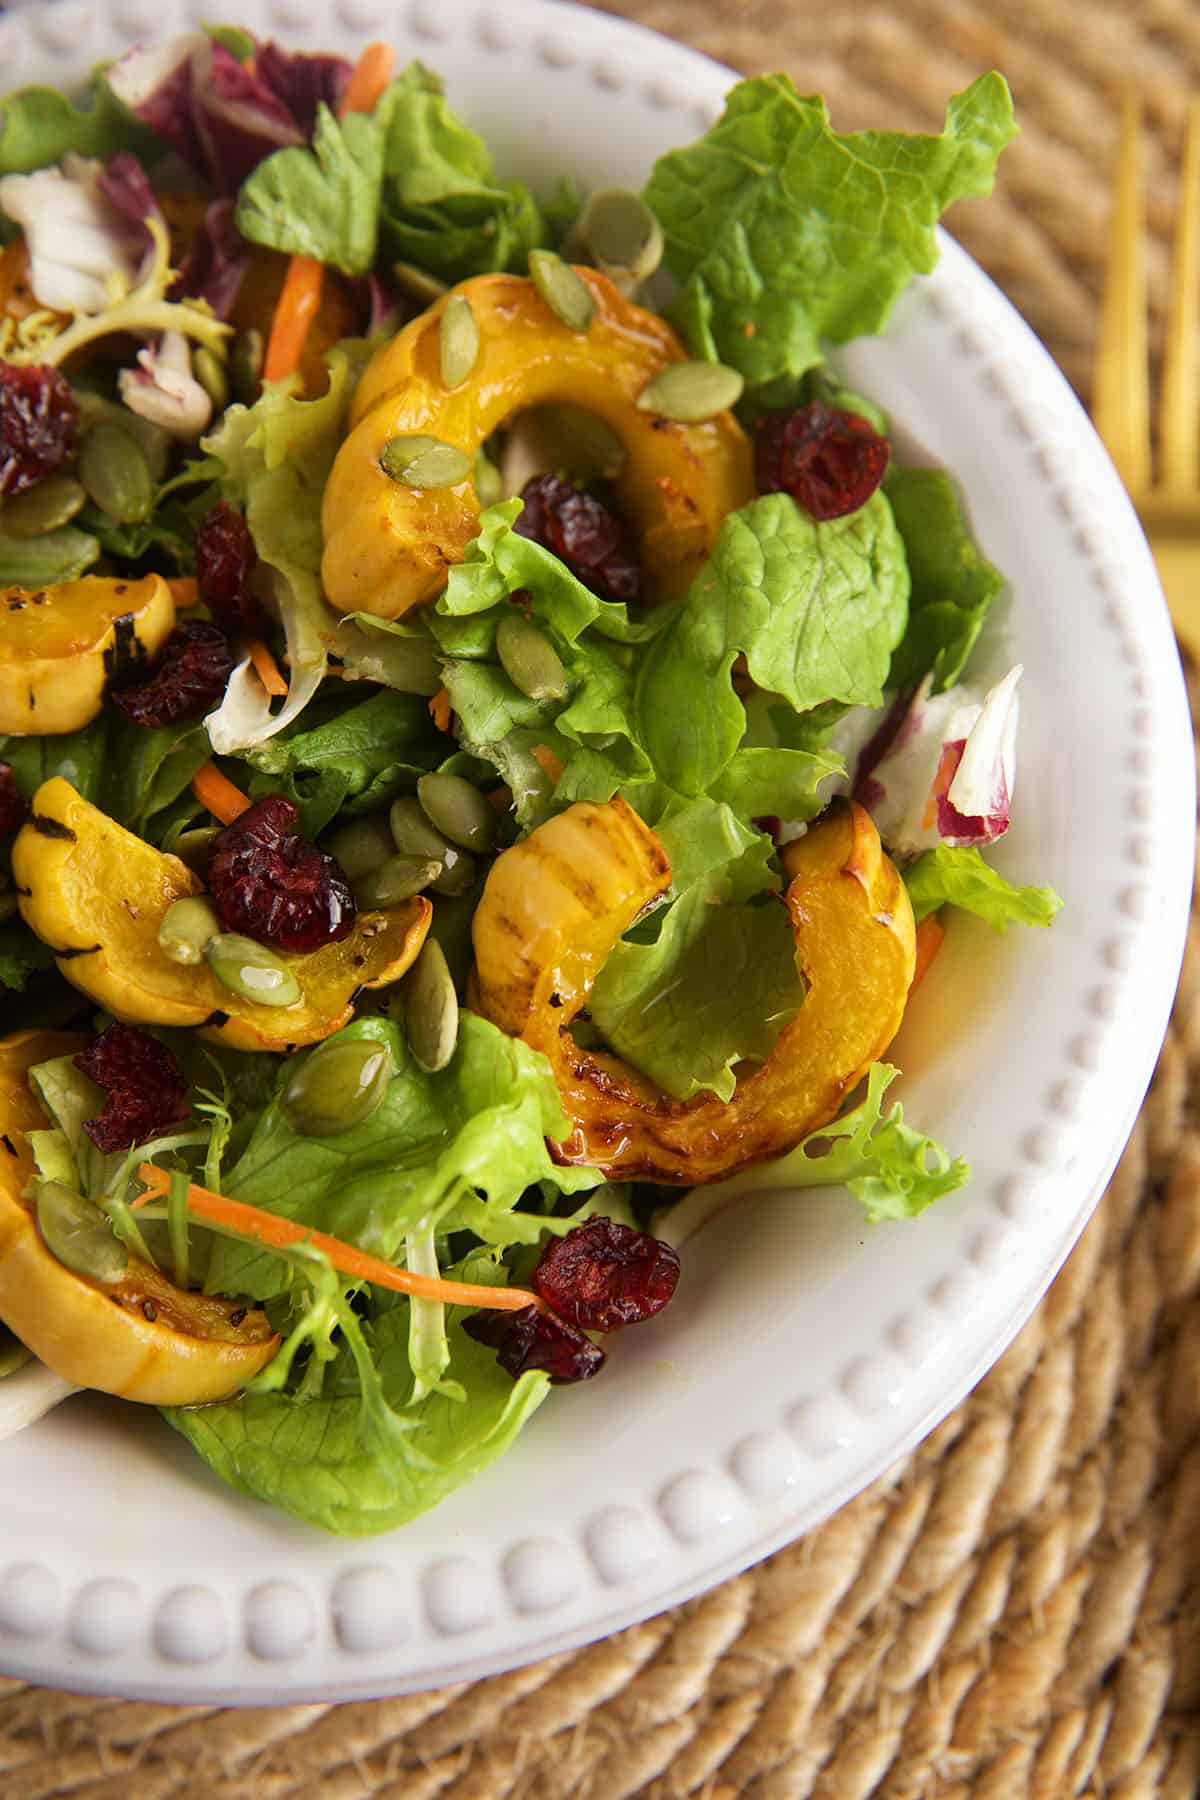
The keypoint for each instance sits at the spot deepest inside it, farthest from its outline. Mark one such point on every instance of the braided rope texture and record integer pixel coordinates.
(1014, 1612)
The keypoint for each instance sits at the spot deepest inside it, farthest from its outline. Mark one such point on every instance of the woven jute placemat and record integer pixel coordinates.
(1014, 1612)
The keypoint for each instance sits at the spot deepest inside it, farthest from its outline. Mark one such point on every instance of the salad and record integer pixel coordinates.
(489, 741)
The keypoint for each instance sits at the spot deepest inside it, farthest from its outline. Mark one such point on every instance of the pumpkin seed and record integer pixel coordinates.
(565, 293)
(187, 926)
(458, 873)
(425, 462)
(399, 878)
(489, 485)
(192, 847)
(77, 1234)
(412, 833)
(692, 391)
(431, 1008)
(337, 1087)
(209, 371)
(418, 284)
(250, 970)
(112, 467)
(361, 846)
(246, 360)
(53, 502)
(154, 441)
(529, 659)
(622, 235)
(459, 810)
(458, 341)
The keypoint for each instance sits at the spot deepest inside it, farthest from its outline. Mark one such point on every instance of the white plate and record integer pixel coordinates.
(805, 1351)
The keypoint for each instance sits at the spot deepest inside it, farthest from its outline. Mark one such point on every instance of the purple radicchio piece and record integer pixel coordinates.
(215, 264)
(155, 83)
(302, 81)
(126, 186)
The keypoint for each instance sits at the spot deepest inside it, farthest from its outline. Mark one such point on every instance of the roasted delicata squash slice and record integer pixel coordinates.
(389, 547)
(557, 903)
(96, 894)
(140, 1337)
(61, 645)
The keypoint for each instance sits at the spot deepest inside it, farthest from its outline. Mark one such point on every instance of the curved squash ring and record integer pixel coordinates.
(60, 645)
(389, 548)
(556, 904)
(140, 1337)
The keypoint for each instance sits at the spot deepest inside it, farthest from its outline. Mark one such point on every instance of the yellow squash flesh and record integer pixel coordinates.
(140, 1337)
(557, 903)
(96, 894)
(59, 646)
(389, 548)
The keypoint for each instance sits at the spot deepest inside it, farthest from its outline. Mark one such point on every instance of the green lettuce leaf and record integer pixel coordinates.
(718, 983)
(38, 125)
(946, 876)
(953, 583)
(22, 955)
(60, 555)
(132, 773)
(323, 201)
(78, 756)
(817, 609)
(782, 233)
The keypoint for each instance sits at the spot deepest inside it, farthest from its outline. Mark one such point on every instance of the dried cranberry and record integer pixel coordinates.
(225, 560)
(603, 1275)
(596, 546)
(530, 1339)
(14, 808)
(828, 460)
(38, 415)
(188, 679)
(268, 883)
(145, 1089)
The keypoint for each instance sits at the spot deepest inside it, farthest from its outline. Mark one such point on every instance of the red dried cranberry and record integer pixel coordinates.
(188, 679)
(268, 883)
(38, 415)
(225, 560)
(530, 1339)
(14, 808)
(603, 1275)
(828, 460)
(145, 1089)
(596, 546)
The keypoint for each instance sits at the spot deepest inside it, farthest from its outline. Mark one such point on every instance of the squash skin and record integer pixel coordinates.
(58, 645)
(96, 1335)
(97, 893)
(389, 548)
(855, 937)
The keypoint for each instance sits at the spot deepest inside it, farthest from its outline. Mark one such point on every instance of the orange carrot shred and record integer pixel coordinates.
(548, 763)
(372, 72)
(439, 709)
(217, 792)
(930, 933)
(185, 591)
(281, 1234)
(265, 667)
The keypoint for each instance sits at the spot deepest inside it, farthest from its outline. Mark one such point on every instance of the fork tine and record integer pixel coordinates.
(1179, 441)
(1121, 402)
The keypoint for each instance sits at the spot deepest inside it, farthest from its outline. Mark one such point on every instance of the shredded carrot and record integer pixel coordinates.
(930, 933)
(548, 763)
(439, 709)
(281, 1234)
(300, 298)
(185, 591)
(265, 667)
(214, 790)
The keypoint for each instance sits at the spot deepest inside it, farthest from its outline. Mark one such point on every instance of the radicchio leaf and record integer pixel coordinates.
(126, 186)
(302, 82)
(216, 262)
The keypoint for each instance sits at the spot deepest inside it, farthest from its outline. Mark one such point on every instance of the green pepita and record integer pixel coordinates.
(692, 391)
(251, 971)
(458, 341)
(77, 1233)
(53, 502)
(112, 467)
(529, 659)
(457, 876)
(621, 235)
(246, 360)
(362, 845)
(430, 1008)
(459, 810)
(192, 847)
(412, 834)
(399, 878)
(425, 462)
(155, 442)
(489, 484)
(418, 284)
(339, 1086)
(187, 926)
(209, 371)
(565, 293)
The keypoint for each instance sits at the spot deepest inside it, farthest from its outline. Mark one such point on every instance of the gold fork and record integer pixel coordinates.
(1167, 498)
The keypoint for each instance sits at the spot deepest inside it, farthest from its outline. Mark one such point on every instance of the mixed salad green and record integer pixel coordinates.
(148, 226)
